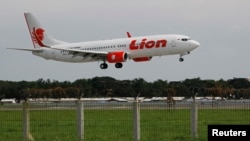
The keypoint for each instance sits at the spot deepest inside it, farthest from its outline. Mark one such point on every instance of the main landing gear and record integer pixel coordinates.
(118, 65)
(104, 65)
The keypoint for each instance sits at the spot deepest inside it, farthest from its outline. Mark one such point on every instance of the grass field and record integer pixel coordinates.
(116, 125)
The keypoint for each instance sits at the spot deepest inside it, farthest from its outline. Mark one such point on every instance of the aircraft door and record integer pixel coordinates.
(173, 42)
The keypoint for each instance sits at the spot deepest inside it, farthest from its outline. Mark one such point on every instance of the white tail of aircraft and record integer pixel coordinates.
(38, 34)
(139, 49)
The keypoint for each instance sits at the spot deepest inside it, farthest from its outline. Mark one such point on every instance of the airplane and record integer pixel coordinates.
(116, 51)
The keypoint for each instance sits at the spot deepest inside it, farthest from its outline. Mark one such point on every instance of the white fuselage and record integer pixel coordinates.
(135, 47)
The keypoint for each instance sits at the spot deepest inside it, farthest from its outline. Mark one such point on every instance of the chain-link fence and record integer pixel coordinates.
(118, 121)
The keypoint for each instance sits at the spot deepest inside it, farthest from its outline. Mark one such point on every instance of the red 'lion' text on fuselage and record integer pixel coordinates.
(147, 44)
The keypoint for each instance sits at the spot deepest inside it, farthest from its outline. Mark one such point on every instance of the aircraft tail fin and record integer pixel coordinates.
(38, 34)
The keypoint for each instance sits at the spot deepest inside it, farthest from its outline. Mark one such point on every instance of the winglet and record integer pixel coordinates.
(129, 35)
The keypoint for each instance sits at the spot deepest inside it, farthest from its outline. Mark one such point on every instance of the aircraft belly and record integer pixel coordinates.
(152, 52)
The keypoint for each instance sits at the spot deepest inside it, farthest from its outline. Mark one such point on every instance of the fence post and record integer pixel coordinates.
(194, 119)
(26, 122)
(136, 120)
(80, 120)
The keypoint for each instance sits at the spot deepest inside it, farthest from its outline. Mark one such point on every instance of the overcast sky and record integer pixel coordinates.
(222, 27)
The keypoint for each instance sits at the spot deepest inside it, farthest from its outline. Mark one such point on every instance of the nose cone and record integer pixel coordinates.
(194, 44)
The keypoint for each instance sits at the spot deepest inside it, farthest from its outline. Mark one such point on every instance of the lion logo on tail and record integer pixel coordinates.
(38, 36)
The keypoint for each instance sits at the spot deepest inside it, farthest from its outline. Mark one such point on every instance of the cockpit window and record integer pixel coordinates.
(185, 39)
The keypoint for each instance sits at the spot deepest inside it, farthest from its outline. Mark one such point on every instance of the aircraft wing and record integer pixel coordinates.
(79, 52)
(26, 49)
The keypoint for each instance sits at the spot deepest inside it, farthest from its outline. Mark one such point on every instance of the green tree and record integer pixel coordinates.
(73, 92)
(239, 83)
(58, 93)
(139, 86)
(158, 88)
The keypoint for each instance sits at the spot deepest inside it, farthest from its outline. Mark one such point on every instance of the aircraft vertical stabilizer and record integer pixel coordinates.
(38, 33)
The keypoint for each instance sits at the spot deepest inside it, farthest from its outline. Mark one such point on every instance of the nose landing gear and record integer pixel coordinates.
(181, 59)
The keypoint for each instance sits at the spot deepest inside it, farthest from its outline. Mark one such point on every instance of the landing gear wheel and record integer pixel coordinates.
(118, 65)
(181, 59)
(103, 65)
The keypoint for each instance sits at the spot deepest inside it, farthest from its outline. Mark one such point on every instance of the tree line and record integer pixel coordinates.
(235, 88)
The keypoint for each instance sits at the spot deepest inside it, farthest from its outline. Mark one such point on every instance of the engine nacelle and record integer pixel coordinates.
(117, 57)
(141, 59)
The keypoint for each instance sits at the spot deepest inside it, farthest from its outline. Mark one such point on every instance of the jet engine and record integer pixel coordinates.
(117, 57)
